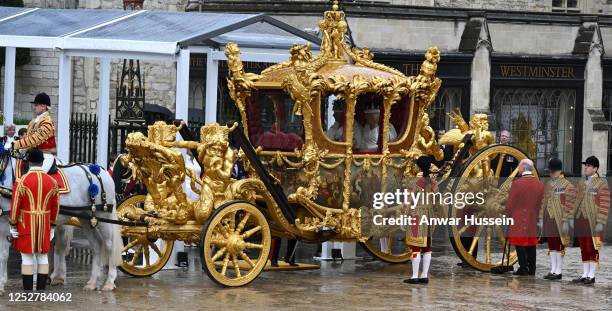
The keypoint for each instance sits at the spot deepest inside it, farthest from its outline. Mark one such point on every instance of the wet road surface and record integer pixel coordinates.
(352, 285)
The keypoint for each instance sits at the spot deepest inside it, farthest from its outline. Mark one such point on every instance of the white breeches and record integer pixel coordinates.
(28, 259)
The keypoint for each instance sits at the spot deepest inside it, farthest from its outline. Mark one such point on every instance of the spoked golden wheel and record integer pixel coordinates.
(142, 254)
(477, 243)
(235, 244)
(391, 249)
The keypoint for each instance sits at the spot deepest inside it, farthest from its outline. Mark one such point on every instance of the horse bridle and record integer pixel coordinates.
(5, 157)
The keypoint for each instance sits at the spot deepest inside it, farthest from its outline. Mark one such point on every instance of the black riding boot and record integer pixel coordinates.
(41, 282)
(28, 282)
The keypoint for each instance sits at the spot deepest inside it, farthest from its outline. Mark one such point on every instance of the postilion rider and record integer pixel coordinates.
(34, 211)
(40, 131)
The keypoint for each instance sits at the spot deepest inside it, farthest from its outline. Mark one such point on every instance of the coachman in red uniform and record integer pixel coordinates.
(523, 206)
(591, 216)
(559, 200)
(33, 214)
(40, 131)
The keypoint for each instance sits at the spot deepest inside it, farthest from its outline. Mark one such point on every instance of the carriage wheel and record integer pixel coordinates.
(396, 250)
(235, 244)
(142, 255)
(482, 245)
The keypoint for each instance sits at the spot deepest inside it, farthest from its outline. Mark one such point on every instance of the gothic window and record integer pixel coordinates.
(540, 120)
(197, 93)
(447, 100)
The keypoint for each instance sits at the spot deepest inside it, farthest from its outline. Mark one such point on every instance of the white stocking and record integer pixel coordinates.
(416, 260)
(426, 262)
(592, 268)
(553, 262)
(559, 263)
(585, 269)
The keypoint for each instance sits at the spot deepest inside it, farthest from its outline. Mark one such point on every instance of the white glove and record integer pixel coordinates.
(599, 228)
(565, 227)
(52, 234)
(571, 222)
(14, 233)
(540, 223)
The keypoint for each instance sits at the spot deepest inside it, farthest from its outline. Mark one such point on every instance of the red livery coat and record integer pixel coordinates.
(523, 205)
(34, 210)
(39, 134)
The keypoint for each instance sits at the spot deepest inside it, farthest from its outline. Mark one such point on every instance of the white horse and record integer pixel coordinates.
(104, 239)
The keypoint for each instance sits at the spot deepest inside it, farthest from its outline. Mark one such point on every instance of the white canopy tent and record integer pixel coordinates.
(144, 35)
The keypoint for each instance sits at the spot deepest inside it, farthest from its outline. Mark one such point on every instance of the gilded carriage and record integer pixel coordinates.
(303, 183)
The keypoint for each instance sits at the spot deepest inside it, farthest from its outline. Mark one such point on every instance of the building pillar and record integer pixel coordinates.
(64, 106)
(594, 130)
(212, 79)
(103, 113)
(481, 71)
(347, 249)
(9, 85)
(182, 86)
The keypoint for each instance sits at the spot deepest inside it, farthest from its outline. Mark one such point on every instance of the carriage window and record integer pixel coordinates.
(272, 123)
(398, 121)
(333, 110)
(368, 122)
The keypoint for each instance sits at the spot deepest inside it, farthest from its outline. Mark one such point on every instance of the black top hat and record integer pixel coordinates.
(555, 164)
(42, 98)
(424, 164)
(35, 156)
(592, 161)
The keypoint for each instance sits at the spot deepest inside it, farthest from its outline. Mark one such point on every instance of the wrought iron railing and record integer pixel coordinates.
(84, 136)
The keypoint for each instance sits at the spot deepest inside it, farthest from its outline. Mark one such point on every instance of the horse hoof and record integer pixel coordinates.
(89, 286)
(55, 282)
(108, 287)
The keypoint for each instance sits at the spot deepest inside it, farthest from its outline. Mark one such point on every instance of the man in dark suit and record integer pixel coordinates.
(523, 206)
(509, 163)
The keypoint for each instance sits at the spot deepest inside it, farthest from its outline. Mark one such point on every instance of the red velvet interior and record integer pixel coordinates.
(275, 138)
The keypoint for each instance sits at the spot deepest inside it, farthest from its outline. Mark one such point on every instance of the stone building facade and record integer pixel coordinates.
(537, 67)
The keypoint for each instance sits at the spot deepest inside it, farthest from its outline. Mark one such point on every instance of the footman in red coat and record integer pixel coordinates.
(33, 215)
(523, 206)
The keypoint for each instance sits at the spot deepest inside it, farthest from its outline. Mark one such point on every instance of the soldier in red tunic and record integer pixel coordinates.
(591, 215)
(559, 200)
(523, 206)
(33, 215)
(40, 131)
